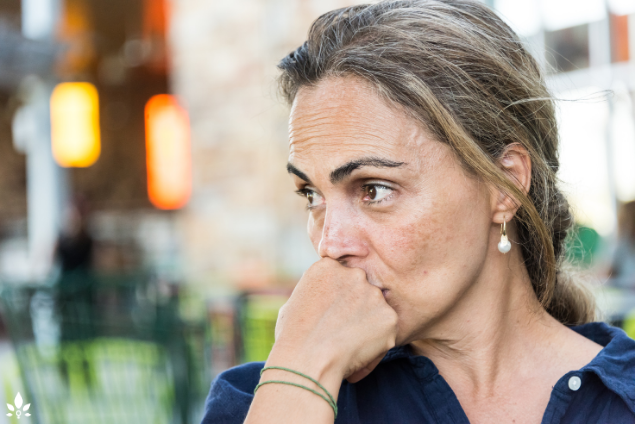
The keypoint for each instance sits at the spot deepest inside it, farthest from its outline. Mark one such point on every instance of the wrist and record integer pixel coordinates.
(319, 366)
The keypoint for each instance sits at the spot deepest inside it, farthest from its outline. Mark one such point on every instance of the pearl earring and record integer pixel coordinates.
(504, 245)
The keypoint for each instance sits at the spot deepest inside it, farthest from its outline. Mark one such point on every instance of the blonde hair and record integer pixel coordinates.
(461, 71)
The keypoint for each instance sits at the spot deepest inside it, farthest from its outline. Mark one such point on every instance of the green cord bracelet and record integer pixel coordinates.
(301, 375)
(332, 405)
(330, 400)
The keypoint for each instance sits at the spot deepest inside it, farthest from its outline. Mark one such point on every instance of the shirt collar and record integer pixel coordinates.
(614, 365)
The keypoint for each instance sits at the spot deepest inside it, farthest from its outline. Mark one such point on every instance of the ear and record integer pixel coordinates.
(516, 163)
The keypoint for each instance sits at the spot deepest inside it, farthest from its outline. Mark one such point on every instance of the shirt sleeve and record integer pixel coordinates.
(231, 394)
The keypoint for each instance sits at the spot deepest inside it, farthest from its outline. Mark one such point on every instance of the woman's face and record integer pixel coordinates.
(384, 196)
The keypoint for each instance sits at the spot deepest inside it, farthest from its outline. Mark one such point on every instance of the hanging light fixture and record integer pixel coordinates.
(75, 134)
(168, 156)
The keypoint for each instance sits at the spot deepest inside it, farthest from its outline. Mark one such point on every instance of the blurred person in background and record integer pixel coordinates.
(74, 249)
(425, 143)
(623, 267)
(74, 255)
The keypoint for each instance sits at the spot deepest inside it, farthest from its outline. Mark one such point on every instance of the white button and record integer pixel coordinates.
(575, 383)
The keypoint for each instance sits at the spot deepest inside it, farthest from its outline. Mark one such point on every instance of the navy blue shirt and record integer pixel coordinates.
(405, 388)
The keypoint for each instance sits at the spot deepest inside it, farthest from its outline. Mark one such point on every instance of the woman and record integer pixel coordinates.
(425, 143)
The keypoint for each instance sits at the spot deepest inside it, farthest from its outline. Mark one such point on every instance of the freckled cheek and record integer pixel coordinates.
(411, 249)
(410, 245)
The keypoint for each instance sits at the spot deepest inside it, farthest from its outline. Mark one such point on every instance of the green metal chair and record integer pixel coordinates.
(257, 315)
(106, 350)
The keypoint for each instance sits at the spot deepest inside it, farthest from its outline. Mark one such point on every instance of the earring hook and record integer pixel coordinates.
(504, 245)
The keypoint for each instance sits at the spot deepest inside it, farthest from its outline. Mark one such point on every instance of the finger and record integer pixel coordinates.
(360, 374)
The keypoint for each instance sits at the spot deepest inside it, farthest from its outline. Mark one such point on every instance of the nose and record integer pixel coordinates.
(342, 235)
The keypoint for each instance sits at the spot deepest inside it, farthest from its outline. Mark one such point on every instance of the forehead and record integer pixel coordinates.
(340, 119)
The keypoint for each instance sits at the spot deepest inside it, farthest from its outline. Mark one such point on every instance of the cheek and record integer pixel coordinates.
(411, 238)
(314, 229)
(431, 257)
(408, 245)
(450, 226)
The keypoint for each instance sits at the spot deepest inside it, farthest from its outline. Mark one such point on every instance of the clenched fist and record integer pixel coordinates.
(337, 318)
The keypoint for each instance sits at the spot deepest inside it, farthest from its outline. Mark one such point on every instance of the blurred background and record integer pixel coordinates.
(148, 230)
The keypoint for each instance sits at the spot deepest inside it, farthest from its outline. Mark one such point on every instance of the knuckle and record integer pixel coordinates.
(326, 263)
(391, 320)
(394, 319)
(377, 295)
(314, 267)
(358, 273)
(390, 343)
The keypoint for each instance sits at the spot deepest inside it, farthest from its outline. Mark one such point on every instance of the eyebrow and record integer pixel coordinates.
(347, 169)
(295, 171)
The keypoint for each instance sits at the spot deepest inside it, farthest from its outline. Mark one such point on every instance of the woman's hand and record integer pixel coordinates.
(335, 311)
(335, 325)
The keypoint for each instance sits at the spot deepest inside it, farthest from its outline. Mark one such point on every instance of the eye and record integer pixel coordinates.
(376, 193)
(312, 197)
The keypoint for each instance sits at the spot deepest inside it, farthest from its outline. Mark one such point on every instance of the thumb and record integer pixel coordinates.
(361, 373)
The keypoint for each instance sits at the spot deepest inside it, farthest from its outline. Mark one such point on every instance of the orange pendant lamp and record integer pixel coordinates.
(168, 155)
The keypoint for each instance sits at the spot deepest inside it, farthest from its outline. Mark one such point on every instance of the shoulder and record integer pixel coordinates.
(614, 365)
(231, 394)
(617, 354)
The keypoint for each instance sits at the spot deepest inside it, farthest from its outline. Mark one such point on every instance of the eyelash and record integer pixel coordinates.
(303, 192)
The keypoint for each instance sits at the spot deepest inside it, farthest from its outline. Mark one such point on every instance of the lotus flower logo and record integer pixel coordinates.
(18, 410)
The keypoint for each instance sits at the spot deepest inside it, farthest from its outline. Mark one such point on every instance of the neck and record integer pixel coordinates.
(496, 326)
